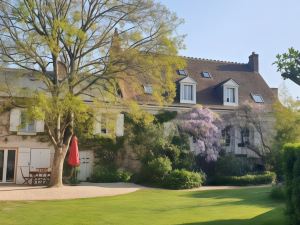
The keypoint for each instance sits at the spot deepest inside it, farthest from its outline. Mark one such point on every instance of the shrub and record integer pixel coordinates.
(230, 165)
(292, 176)
(168, 150)
(157, 169)
(248, 179)
(109, 174)
(277, 192)
(183, 179)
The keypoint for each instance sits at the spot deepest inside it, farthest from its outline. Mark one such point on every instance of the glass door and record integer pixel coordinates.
(1, 164)
(10, 168)
(7, 165)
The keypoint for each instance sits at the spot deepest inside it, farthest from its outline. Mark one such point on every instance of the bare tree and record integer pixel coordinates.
(253, 118)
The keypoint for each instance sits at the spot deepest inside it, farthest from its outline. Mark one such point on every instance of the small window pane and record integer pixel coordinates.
(226, 138)
(206, 74)
(148, 89)
(231, 95)
(182, 72)
(257, 98)
(27, 126)
(188, 92)
(245, 136)
(104, 125)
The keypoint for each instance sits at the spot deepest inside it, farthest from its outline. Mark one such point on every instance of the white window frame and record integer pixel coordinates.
(228, 86)
(187, 92)
(188, 81)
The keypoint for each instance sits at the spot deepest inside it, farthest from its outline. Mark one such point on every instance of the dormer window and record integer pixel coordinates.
(230, 90)
(187, 87)
(230, 95)
(182, 72)
(188, 92)
(148, 89)
(257, 98)
(206, 75)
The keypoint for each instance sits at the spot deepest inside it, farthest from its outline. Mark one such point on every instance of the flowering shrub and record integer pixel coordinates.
(204, 126)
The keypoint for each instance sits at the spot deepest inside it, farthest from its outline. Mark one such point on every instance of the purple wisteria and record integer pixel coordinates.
(205, 127)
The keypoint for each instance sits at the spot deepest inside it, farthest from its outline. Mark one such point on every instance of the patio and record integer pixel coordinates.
(12, 192)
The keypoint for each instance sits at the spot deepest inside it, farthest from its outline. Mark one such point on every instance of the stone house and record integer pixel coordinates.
(221, 86)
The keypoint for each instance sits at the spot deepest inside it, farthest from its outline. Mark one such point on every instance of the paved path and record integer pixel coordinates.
(84, 190)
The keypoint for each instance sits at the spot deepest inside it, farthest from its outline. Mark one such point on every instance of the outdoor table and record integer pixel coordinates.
(40, 176)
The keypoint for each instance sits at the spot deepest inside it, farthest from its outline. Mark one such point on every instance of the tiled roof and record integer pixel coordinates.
(249, 81)
(221, 71)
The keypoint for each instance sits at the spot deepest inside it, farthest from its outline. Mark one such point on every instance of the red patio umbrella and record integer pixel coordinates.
(73, 159)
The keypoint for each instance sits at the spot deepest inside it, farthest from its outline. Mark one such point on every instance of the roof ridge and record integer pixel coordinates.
(212, 60)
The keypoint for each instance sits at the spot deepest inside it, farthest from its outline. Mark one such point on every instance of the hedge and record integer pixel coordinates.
(109, 174)
(248, 179)
(292, 178)
(183, 179)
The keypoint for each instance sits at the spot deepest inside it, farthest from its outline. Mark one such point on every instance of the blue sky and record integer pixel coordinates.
(231, 29)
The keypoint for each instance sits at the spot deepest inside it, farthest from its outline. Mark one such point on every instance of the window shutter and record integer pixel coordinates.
(97, 124)
(39, 126)
(120, 125)
(14, 121)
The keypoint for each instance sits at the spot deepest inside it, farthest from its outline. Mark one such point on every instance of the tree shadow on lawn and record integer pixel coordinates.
(244, 196)
(273, 217)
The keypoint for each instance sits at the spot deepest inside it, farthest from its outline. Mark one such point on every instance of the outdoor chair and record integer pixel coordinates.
(26, 179)
(44, 176)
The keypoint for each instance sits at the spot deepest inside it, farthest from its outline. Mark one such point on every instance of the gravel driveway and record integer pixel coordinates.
(84, 190)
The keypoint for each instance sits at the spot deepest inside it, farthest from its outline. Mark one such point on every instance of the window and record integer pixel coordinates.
(230, 92)
(188, 92)
(148, 89)
(206, 74)
(231, 95)
(104, 125)
(26, 126)
(245, 137)
(257, 98)
(182, 72)
(226, 136)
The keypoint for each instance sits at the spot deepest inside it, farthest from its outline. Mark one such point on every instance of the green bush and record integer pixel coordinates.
(168, 150)
(157, 169)
(248, 179)
(278, 192)
(292, 179)
(109, 174)
(230, 165)
(183, 179)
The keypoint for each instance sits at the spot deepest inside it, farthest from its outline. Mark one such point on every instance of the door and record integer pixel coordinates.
(7, 165)
(86, 164)
(39, 158)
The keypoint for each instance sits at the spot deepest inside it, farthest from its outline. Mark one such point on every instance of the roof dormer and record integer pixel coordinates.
(230, 92)
(187, 87)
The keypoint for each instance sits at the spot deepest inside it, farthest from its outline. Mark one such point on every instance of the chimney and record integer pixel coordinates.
(253, 62)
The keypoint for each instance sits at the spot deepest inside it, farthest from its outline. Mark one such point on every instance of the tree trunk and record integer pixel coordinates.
(57, 167)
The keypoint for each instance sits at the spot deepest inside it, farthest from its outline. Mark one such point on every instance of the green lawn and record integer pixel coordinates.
(250, 206)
